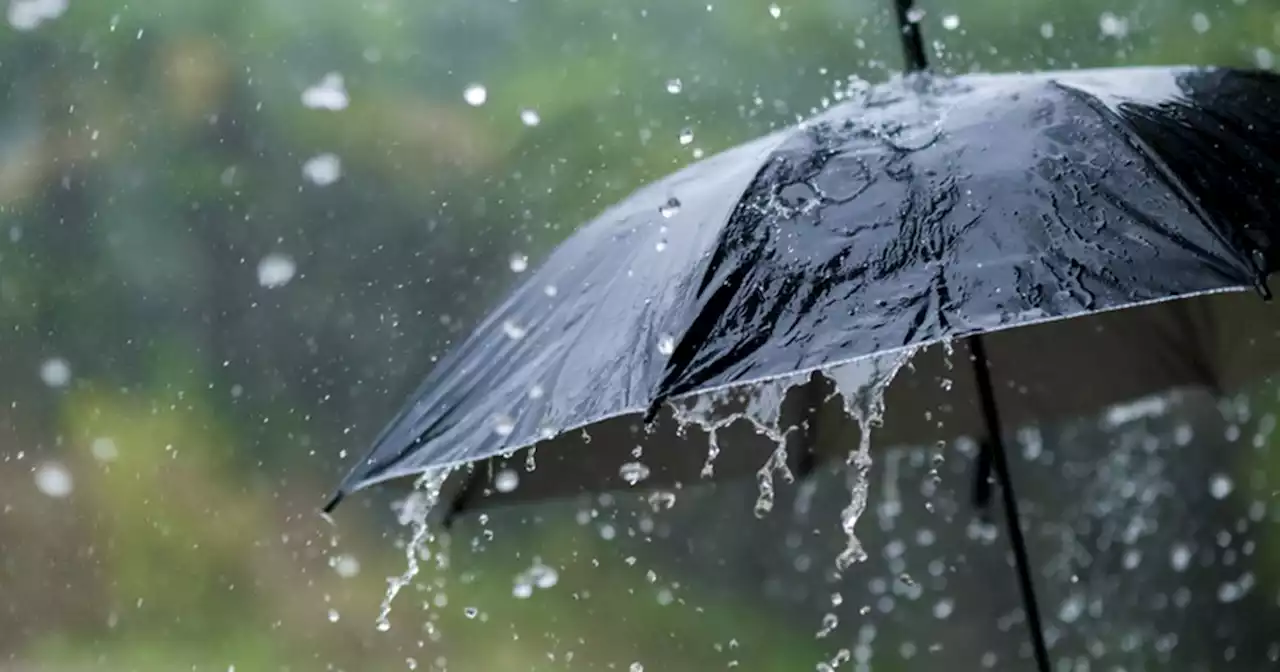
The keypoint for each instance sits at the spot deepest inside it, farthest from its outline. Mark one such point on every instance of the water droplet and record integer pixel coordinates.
(670, 208)
(512, 330)
(276, 270)
(55, 372)
(471, 612)
(323, 170)
(53, 480)
(330, 93)
(550, 291)
(951, 22)
(661, 500)
(506, 480)
(660, 246)
(775, 11)
(383, 626)
(475, 95)
(864, 610)
(674, 85)
(104, 449)
(633, 472)
(686, 136)
(915, 15)
(346, 565)
(666, 345)
(530, 117)
(1046, 30)
(1220, 485)
(837, 599)
(1113, 26)
(1180, 557)
(637, 667)
(334, 616)
(503, 425)
(536, 391)
(518, 263)
(1200, 23)
(29, 14)
(829, 624)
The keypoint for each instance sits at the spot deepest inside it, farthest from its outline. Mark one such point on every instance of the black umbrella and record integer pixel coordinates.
(923, 211)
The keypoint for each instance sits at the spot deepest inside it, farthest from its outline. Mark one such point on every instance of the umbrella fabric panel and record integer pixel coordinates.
(924, 210)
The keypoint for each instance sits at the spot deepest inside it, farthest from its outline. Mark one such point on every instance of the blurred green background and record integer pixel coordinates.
(234, 233)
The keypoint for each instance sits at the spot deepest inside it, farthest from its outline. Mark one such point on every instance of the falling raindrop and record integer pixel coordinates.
(661, 500)
(323, 170)
(276, 270)
(633, 472)
(347, 566)
(330, 93)
(55, 372)
(104, 449)
(1200, 23)
(829, 623)
(530, 117)
(951, 21)
(506, 480)
(775, 11)
(1220, 485)
(475, 95)
(1046, 30)
(29, 14)
(670, 208)
(915, 15)
(334, 616)
(674, 85)
(53, 480)
(518, 263)
(637, 667)
(686, 136)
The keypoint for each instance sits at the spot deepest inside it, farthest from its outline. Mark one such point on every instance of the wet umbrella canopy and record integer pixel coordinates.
(1084, 238)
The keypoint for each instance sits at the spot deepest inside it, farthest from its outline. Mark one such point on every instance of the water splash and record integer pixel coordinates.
(862, 384)
(761, 406)
(414, 512)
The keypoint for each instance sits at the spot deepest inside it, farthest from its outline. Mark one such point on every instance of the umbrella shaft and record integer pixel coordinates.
(994, 446)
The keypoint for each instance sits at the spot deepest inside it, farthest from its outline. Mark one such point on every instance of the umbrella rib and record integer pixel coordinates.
(999, 460)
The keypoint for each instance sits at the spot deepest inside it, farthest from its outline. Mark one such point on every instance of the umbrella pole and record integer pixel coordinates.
(993, 450)
(912, 43)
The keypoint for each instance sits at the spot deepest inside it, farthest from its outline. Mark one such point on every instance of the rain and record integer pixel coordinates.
(639, 336)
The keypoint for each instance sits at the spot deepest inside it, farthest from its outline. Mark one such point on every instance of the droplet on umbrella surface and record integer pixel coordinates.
(503, 425)
(915, 15)
(951, 22)
(536, 391)
(330, 93)
(506, 480)
(104, 449)
(55, 372)
(666, 344)
(633, 472)
(475, 95)
(775, 11)
(276, 270)
(530, 117)
(519, 263)
(53, 480)
(1200, 23)
(513, 331)
(323, 170)
(1220, 485)
(29, 14)
(550, 291)
(660, 246)
(686, 136)
(674, 85)
(670, 208)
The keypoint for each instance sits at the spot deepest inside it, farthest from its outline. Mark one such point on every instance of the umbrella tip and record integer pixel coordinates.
(326, 511)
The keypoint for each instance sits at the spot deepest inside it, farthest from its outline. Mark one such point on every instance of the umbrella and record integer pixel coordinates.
(1081, 237)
